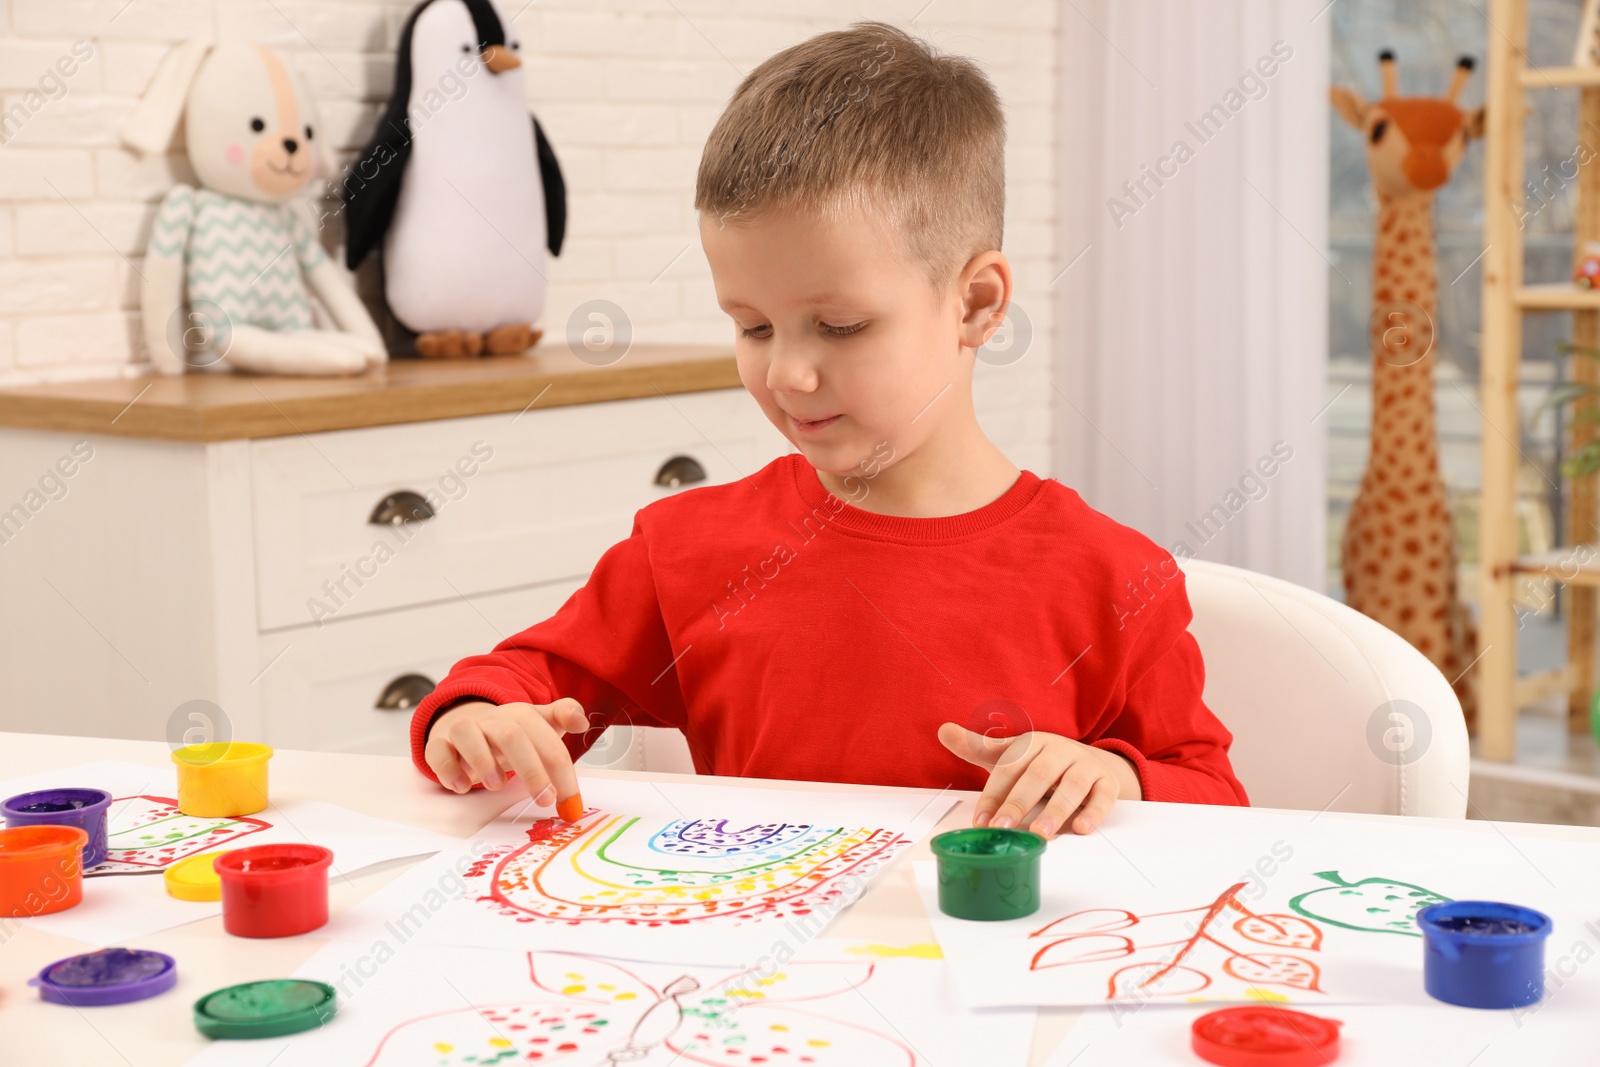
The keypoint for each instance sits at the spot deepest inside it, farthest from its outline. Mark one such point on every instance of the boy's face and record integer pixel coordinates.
(840, 336)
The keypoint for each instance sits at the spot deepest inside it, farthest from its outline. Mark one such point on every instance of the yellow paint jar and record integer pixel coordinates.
(222, 779)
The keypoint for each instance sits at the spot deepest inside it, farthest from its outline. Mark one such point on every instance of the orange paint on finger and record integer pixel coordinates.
(571, 809)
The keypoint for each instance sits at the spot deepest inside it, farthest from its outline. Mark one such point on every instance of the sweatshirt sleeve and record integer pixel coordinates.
(1178, 746)
(607, 648)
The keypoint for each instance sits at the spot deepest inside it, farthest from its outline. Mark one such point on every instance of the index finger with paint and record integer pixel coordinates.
(477, 742)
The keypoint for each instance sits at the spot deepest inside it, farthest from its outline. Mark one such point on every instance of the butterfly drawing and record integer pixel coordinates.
(148, 834)
(599, 1012)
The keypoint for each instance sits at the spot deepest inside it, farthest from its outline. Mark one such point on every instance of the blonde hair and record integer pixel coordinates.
(866, 116)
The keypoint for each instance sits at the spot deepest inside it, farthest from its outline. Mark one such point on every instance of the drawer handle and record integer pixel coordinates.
(404, 693)
(399, 507)
(680, 471)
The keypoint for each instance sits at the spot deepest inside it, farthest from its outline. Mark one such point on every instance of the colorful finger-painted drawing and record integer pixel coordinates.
(148, 834)
(654, 871)
(832, 1004)
(613, 868)
(1188, 903)
(1183, 953)
(1224, 950)
(1379, 905)
(600, 1011)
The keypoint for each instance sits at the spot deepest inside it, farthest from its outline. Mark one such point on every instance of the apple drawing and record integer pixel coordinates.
(1379, 905)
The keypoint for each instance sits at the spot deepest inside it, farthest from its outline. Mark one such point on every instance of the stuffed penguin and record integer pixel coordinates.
(460, 186)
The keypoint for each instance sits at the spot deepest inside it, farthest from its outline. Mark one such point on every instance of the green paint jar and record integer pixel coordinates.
(988, 874)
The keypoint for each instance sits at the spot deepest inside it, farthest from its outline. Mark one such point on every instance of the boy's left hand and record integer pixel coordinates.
(1024, 768)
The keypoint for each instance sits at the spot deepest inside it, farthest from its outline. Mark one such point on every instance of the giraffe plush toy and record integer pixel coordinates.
(1399, 549)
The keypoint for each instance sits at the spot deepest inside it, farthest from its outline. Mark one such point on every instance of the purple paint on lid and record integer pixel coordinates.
(109, 976)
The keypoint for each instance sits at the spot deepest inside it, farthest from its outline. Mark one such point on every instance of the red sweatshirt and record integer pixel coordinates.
(789, 634)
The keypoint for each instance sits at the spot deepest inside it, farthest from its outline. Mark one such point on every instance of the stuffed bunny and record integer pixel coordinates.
(244, 252)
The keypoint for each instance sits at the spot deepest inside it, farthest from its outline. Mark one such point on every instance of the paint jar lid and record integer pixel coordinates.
(194, 878)
(109, 976)
(271, 1008)
(1259, 1035)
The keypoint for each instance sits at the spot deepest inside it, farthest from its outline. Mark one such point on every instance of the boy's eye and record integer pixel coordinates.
(758, 332)
(842, 331)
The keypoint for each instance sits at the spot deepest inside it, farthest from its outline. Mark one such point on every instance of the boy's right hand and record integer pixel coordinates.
(479, 741)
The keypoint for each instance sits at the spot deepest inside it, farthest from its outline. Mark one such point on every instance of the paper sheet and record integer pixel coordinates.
(453, 1007)
(146, 834)
(1371, 1035)
(1173, 904)
(671, 871)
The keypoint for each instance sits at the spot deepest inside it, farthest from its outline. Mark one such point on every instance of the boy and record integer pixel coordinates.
(896, 603)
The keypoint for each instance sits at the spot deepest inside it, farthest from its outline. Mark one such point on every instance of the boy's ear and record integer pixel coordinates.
(1475, 123)
(985, 296)
(150, 126)
(1350, 106)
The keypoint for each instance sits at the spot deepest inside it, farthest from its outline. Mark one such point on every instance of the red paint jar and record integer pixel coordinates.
(274, 890)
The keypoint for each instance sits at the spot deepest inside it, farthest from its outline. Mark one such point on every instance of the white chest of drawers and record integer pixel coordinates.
(273, 577)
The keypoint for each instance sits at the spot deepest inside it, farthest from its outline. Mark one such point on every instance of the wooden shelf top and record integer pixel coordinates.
(1559, 77)
(225, 406)
(1560, 296)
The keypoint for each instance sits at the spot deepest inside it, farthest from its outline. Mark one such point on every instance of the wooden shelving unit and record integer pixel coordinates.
(1562, 296)
(1558, 77)
(1576, 566)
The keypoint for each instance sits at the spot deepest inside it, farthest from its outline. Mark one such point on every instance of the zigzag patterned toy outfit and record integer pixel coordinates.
(236, 256)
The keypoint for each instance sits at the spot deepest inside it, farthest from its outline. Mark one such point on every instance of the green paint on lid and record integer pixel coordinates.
(272, 1008)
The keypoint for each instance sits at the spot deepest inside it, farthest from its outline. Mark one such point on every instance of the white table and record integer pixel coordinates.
(160, 1031)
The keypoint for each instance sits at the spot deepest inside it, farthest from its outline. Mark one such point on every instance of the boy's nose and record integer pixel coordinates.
(790, 371)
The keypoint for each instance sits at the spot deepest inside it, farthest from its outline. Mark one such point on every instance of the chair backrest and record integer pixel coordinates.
(1328, 709)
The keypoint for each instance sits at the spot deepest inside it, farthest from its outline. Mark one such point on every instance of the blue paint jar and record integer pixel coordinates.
(1482, 954)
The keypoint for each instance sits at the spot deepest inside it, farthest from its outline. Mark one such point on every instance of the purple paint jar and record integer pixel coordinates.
(83, 808)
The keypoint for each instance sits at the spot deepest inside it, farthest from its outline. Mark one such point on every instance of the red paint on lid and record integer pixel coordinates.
(1255, 1035)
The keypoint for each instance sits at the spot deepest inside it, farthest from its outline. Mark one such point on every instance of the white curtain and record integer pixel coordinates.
(1192, 311)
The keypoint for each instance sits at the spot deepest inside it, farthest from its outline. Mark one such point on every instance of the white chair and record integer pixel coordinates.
(1328, 709)
(641, 748)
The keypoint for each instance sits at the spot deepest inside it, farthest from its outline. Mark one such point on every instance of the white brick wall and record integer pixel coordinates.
(626, 89)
